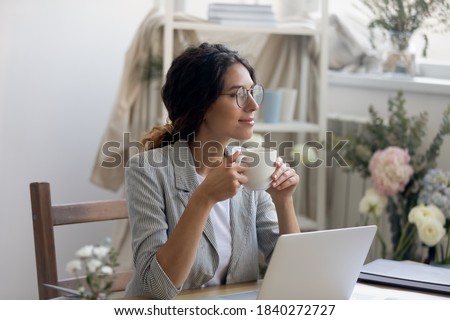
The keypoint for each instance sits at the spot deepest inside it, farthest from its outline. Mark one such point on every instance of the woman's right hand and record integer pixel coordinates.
(223, 181)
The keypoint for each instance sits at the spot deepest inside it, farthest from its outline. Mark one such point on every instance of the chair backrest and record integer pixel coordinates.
(46, 216)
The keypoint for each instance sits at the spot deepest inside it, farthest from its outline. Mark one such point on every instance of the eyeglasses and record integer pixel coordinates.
(257, 92)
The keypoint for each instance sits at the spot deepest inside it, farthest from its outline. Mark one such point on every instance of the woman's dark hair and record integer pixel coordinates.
(193, 83)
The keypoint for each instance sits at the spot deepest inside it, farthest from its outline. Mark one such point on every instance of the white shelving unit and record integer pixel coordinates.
(299, 126)
(291, 28)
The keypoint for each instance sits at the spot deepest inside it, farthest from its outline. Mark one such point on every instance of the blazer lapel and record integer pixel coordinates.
(186, 181)
(240, 220)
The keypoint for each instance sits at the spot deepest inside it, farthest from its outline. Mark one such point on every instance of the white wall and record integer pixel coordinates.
(60, 66)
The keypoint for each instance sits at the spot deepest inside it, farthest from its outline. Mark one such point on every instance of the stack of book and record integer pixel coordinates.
(241, 14)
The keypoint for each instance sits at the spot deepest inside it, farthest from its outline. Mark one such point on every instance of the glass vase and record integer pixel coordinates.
(403, 234)
(400, 58)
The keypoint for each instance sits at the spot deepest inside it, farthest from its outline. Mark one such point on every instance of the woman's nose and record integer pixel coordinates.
(251, 104)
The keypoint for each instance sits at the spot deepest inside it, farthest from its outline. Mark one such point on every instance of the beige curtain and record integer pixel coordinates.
(138, 106)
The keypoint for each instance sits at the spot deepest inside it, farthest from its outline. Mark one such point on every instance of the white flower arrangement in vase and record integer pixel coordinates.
(97, 263)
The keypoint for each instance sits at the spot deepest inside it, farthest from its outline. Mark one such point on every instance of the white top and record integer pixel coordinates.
(220, 218)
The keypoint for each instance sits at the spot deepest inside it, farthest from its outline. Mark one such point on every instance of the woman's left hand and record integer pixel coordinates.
(284, 181)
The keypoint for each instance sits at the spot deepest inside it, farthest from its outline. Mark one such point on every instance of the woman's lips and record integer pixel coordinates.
(248, 121)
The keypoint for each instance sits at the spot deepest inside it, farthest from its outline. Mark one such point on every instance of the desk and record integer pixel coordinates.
(218, 290)
(362, 291)
(365, 291)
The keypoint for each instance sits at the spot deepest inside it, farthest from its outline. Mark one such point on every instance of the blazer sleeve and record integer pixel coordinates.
(148, 222)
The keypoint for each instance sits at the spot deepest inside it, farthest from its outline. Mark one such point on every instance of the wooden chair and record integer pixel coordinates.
(46, 216)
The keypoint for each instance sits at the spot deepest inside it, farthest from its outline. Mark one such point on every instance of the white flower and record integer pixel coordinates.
(93, 264)
(73, 266)
(106, 270)
(372, 202)
(101, 252)
(430, 231)
(85, 252)
(97, 263)
(421, 212)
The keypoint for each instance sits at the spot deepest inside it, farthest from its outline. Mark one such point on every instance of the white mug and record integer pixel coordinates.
(260, 163)
(271, 105)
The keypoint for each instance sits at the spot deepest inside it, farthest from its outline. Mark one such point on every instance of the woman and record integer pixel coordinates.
(192, 222)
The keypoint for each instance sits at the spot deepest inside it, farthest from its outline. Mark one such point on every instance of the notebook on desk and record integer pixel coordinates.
(314, 265)
(407, 274)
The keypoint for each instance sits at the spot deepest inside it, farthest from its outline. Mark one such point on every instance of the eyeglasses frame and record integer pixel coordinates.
(249, 93)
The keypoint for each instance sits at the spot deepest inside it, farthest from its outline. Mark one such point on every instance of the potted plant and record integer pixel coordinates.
(399, 20)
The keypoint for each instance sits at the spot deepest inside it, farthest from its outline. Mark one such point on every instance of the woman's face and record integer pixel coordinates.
(225, 120)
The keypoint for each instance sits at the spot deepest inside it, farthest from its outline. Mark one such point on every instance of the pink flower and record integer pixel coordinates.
(390, 170)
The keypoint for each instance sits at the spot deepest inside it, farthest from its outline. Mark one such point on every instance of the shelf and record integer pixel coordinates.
(316, 27)
(306, 28)
(383, 81)
(294, 126)
(347, 117)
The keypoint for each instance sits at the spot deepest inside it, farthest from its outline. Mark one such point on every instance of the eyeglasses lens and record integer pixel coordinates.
(257, 93)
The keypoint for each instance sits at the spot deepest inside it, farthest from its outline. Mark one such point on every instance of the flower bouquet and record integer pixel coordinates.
(97, 263)
(388, 153)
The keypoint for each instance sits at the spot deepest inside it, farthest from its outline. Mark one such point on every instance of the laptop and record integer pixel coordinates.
(316, 265)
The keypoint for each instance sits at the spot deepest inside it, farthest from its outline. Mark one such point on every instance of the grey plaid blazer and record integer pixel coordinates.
(159, 184)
